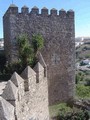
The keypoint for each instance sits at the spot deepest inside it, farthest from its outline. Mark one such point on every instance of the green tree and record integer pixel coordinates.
(28, 52)
(37, 42)
(25, 50)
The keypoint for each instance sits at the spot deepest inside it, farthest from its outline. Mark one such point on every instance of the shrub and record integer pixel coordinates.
(59, 108)
(25, 50)
(16, 66)
(87, 80)
(87, 56)
(63, 112)
(27, 53)
(79, 77)
(87, 72)
(77, 115)
(37, 42)
(83, 91)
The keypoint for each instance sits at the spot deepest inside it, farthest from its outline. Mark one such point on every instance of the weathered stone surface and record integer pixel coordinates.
(40, 72)
(6, 110)
(33, 104)
(10, 92)
(59, 46)
(16, 79)
(2, 86)
(38, 67)
(28, 72)
(18, 82)
(29, 77)
(41, 60)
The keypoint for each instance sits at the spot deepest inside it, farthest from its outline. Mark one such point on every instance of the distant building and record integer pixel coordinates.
(79, 41)
(85, 62)
(77, 44)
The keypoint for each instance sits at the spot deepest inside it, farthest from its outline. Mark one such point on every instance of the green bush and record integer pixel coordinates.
(16, 66)
(79, 115)
(59, 108)
(87, 56)
(37, 43)
(87, 80)
(25, 50)
(63, 112)
(79, 77)
(82, 91)
(27, 53)
(87, 72)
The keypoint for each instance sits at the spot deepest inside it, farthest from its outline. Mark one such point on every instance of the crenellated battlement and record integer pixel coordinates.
(23, 96)
(18, 83)
(24, 9)
(13, 9)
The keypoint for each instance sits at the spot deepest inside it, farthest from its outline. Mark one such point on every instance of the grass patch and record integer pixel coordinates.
(56, 109)
(63, 112)
(82, 91)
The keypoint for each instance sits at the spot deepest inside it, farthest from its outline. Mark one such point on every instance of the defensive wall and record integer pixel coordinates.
(26, 97)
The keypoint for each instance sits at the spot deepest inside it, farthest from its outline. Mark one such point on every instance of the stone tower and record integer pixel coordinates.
(57, 29)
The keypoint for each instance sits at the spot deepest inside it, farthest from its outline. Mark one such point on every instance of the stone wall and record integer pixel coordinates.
(57, 29)
(19, 103)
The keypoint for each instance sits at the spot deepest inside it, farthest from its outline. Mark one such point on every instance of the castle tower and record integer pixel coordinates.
(59, 45)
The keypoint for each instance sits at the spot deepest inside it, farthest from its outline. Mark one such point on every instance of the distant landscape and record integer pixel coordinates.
(83, 57)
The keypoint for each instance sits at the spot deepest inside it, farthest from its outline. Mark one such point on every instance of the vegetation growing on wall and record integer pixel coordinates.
(25, 50)
(37, 43)
(27, 53)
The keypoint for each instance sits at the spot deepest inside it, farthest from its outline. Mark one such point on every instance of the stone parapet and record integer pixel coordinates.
(17, 103)
(13, 9)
